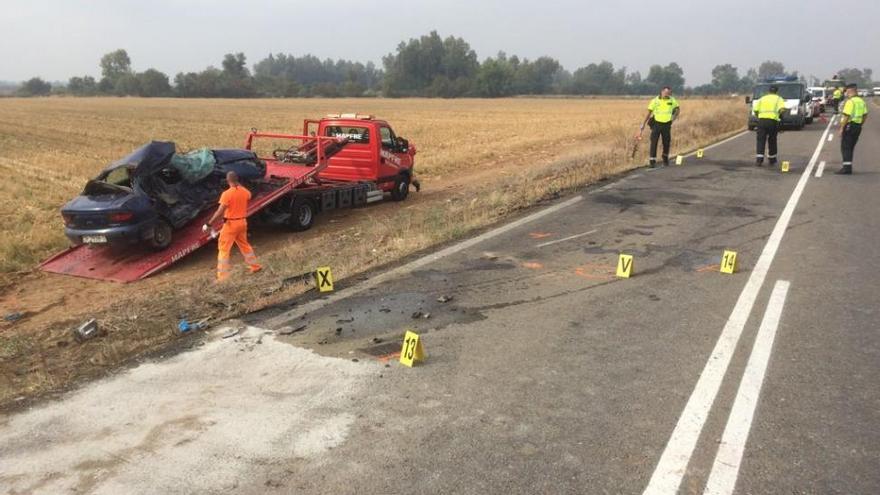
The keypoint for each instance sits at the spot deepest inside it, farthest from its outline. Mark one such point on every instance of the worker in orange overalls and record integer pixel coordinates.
(233, 209)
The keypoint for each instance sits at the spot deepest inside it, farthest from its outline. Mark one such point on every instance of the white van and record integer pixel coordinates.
(819, 96)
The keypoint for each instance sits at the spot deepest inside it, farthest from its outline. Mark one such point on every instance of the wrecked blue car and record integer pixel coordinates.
(146, 196)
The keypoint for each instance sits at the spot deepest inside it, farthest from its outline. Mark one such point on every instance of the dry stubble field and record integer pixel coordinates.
(478, 161)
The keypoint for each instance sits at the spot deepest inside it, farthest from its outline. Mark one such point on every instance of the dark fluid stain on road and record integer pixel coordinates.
(635, 232)
(484, 264)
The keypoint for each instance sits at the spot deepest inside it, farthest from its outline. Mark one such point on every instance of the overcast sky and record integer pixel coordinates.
(62, 38)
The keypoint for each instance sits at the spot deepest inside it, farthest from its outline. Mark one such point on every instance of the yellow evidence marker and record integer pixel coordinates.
(324, 279)
(412, 350)
(679, 160)
(700, 153)
(624, 266)
(728, 262)
(786, 166)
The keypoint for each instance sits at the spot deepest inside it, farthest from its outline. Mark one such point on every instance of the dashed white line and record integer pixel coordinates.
(725, 470)
(830, 137)
(820, 169)
(673, 463)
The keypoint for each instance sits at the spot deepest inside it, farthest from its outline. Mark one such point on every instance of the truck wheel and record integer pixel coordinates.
(302, 215)
(401, 188)
(162, 233)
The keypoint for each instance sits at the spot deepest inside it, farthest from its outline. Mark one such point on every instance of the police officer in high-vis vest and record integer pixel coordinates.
(769, 109)
(661, 112)
(855, 112)
(835, 99)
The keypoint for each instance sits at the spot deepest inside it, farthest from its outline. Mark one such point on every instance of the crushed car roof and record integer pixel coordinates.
(147, 159)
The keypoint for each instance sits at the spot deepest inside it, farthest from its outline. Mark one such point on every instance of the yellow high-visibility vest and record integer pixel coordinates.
(856, 109)
(768, 106)
(663, 108)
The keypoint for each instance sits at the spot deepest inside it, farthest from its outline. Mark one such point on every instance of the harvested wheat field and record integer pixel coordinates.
(478, 160)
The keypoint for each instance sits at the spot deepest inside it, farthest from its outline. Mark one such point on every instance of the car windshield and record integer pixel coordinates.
(786, 91)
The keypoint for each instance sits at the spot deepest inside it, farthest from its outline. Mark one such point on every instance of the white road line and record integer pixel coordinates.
(830, 137)
(719, 143)
(722, 478)
(820, 169)
(550, 243)
(675, 458)
(413, 265)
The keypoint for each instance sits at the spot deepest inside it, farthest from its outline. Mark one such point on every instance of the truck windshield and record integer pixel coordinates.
(786, 91)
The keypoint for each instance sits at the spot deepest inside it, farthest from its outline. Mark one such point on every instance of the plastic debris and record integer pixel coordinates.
(10, 317)
(185, 326)
(86, 331)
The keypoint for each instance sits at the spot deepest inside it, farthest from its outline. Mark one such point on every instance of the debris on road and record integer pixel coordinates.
(13, 317)
(291, 330)
(185, 326)
(444, 299)
(232, 333)
(419, 314)
(86, 331)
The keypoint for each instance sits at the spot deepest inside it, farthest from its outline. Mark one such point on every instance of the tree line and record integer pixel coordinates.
(428, 66)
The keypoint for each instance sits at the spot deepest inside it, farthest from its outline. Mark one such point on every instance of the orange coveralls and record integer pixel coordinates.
(234, 231)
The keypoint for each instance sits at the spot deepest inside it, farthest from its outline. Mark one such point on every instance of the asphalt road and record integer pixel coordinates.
(545, 373)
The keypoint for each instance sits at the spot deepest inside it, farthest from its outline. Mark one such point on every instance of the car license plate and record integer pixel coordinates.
(94, 239)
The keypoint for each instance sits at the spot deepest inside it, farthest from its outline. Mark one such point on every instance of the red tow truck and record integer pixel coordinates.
(300, 182)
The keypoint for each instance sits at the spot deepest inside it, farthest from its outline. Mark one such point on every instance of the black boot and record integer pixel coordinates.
(759, 162)
(845, 170)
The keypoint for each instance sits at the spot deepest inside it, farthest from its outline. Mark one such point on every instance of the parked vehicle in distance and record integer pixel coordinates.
(819, 98)
(798, 102)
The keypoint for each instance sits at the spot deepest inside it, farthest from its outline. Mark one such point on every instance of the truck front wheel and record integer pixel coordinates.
(302, 215)
(401, 188)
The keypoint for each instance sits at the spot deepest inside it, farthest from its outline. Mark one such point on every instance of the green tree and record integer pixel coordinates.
(770, 68)
(127, 85)
(725, 78)
(496, 77)
(82, 86)
(35, 87)
(598, 79)
(153, 83)
(114, 65)
(430, 62)
(864, 77)
(671, 75)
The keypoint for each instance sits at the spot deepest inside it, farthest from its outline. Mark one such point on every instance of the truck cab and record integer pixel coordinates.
(374, 152)
(798, 102)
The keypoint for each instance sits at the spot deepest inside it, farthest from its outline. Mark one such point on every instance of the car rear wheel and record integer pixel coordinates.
(162, 233)
(302, 215)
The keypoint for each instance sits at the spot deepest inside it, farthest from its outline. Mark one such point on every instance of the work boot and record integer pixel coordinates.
(652, 164)
(773, 161)
(759, 163)
(845, 170)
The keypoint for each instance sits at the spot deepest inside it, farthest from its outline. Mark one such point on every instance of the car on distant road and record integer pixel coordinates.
(819, 98)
